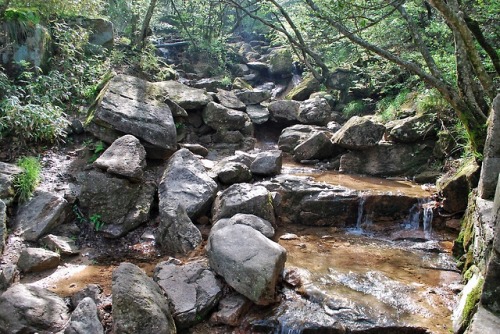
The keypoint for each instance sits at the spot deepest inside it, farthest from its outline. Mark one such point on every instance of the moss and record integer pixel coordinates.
(471, 302)
(304, 89)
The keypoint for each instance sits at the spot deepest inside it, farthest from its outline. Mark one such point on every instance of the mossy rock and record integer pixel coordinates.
(304, 89)
(239, 83)
(281, 63)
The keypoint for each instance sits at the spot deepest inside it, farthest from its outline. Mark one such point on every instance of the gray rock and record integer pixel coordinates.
(267, 163)
(359, 133)
(387, 160)
(35, 48)
(249, 97)
(233, 172)
(258, 113)
(258, 66)
(284, 110)
(412, 129)
(210, 84)
(304, 89)
(244, 198)
(186, 182)
(248, 261)
(176, 234)
(130, 106)
(8, 275)
(30, 309)
(259, 224)
(185, 96)
(121, 205)
(483, 322)
(41, 215)
(92, 291)
(84, 319)
(139, 306)
(316, 111)
(231, 309)
(101, 30)
(220, 118)
(195, 149)
(192, 289)
(3, 226)
(318, 146)
(59, 244)
(229, 100)
(294, 135)
(125, 157)
(37, 259)
(8, 173)
(281, 63)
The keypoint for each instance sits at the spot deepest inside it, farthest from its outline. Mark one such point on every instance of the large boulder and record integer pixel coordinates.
(258, 113)
(186, 182)
(40, 215)
(244, 198)
(359, 133)
(31, 309)
(284, 110)
(62, 245)
(138, 303)
(125, 157)
(281, 63)
(318, 146)
(119, 203)
(232, 172)
(37, 259)
(316, 111)
(229, 100)
(220, 118)
(267, 163)
(101, 30)
(249, 97)
(176, 234)
(248, 261)
(84, 319)
(8, 173)
(294, 135)
(388, 160)
(304, 89)
(412, 129)
(3, 226)
(192, 289)
(130, 106)
(34, 49)
(185, 96)
(261, 225)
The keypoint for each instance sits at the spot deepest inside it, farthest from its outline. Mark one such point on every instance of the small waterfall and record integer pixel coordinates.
(296, 77)
(361, 208)
(428, 215)
(421, 211)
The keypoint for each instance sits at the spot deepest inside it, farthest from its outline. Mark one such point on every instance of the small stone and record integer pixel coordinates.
(289, 236)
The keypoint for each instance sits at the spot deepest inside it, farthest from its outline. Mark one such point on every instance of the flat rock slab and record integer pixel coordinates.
(192, 289)
(229, 100)
(62, 245)
(187, 97)
(37, 259)
(359, 133)
(30, 309)
(39, 216)
(125, 157)
(138, 303)
(248, 261)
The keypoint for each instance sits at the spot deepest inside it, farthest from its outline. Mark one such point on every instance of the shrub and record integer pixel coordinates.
(354, 108)
(26, 182)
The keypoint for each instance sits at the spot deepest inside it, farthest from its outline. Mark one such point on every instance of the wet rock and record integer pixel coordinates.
(92, 291)
(233, 172)
(176, 234)
(129, 106)
(294, 135)
(8, 275)
(192, 289)
(229, 100)
(61, 245)
(8, 173)
(304, 89)
(284, 110)
(37, 259)
(3, 226)
(281, 63)
(359, 133)
(244, 198)
(120, 204)
(125, 157)
(483, 322)
(249, 97)
(196, 149)
(412, 129)
(388, 160)
(221, 118)
(455, 187)
(186, 182)
(293, 276)
(257, 223)
(316, 111)
(138, 303)
(231, 309)
(267, 163)
(289, 236)
(248, 261)
(30, 309)
(84, 319)
(317, 146)
(39, 216)
(258, 113)
(469, 296)
(185, 96)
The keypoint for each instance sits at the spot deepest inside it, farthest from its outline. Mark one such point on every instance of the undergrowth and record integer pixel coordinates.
(26, 182)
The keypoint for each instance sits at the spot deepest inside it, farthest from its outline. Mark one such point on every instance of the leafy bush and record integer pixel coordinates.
(32, 122)
(354, 108)
(390, 107)
(50, 8)
(26, 182)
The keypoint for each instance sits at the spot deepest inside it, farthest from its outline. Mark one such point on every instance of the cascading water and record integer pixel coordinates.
(421, 211)
(361, 207)
(296, 77)
(428, 215)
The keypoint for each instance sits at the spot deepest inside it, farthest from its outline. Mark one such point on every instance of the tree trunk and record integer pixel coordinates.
(145, 25)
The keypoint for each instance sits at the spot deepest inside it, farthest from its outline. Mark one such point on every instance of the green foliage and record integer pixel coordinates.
(96, 220)
(431, 101)
(32, 122)
(354, 108)
(389, 108)
(51, 8)
(26, 182)
(151, 65)
(19, 22)
(97, 149)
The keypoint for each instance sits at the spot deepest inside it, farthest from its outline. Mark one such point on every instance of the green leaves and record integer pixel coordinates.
(26, 182)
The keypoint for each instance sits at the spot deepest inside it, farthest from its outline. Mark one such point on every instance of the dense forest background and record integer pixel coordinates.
(442, 56)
